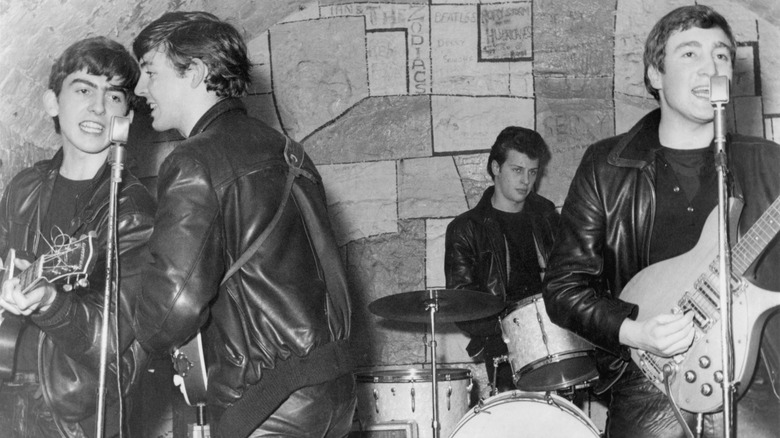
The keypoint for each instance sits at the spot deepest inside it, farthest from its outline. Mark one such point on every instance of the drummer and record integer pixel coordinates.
(501, 246)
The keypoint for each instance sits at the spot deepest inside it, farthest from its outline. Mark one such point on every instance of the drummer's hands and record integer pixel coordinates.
(38, 299)
(664, 335)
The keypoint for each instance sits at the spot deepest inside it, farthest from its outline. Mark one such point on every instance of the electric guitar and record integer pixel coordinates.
(70, 262)
(690, 282)
(191, 374)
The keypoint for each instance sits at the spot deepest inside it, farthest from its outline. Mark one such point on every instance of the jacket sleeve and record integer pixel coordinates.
(576, 293)
(70, 350)
(461, 271)
(187, 261)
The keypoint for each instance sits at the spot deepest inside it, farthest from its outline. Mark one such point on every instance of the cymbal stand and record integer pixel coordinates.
(432, 305)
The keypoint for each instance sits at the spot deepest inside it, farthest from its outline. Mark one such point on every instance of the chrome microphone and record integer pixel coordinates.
(118, 134)
(719, 96)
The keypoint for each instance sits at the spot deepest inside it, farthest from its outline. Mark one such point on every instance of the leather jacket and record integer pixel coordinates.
(607, 225)
(476, 255)
(217, 191)
(71, 327)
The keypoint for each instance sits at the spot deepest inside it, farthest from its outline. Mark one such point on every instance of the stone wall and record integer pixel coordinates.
(398, 102)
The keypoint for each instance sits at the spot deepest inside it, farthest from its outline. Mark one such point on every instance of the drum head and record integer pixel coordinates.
(557, 372)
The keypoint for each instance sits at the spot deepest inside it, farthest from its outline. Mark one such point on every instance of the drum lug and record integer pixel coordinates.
(449, 396)
(412, 392)
(376, 401)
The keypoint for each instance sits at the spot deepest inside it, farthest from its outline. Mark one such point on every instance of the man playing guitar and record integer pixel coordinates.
(642, 198)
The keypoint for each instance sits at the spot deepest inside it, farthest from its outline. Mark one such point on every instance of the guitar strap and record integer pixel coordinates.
(294, 156)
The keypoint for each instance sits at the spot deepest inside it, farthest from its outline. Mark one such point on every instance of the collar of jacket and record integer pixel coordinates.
(219, 108)
(637, 148)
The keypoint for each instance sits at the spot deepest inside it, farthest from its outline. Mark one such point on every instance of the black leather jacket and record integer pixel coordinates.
(607, 225)
(475, 255)
(217, 191)
(71, 326)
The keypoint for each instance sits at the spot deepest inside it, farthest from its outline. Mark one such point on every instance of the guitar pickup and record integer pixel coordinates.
(700, 316)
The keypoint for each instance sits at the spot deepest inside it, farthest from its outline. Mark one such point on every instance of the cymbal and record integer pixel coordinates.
(452, 305)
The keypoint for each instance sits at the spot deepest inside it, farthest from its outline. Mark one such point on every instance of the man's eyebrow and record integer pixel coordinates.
(687, 44)
(83, 81)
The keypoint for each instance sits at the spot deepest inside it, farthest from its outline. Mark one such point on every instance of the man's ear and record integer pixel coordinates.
(495, 167)
(199, 72)
(655, 77)
(50, 103)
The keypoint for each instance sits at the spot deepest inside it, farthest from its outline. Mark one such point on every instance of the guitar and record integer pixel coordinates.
(71, 262)
(191, 374)
(691, 282)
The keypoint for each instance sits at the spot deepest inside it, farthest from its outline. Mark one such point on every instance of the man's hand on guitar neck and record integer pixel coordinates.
(37, 299)
(664, 335)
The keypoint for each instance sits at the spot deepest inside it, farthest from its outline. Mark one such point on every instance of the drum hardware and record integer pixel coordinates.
(496, 362)
(446, 305)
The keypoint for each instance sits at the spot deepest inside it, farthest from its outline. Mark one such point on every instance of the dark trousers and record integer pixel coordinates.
(24, 414)
(637, 409)
(320, 411)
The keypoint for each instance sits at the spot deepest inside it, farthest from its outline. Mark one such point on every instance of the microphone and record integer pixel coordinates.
(719, 96)
(117, 134)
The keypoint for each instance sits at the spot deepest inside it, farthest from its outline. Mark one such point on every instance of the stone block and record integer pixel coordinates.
(260, 56)
(322, 77)
(411, 17)
(462, 123)
(749, 116)
(378, 128)
(573, 123)
(505, 32)
(377, 267)
(769, 61)
(429, 187)
(362, 199)
(387, 63)
(434, 252)
(746, 77)
(261, 106)
(772, 128)
(573, 37)
(474, 176)
(629, 109)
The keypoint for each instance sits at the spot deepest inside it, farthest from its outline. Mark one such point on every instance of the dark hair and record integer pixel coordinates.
(523, 140)
(184, 36)
(678, 20)
(100, 56)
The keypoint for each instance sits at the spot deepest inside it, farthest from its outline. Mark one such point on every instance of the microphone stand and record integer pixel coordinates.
(719, 96)
(116, 158)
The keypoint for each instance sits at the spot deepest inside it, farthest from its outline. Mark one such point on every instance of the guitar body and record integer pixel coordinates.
(191, 374)
(690, 282)
(10, 326)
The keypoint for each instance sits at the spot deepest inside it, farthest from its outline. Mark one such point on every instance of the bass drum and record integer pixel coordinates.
(527, 415)
(406, 395)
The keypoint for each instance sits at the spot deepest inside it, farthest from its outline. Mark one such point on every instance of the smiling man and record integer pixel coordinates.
(53, 386)
(641, 198)
(501, 246)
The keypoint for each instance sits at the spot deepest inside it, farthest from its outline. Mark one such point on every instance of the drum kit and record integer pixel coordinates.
(547, 362)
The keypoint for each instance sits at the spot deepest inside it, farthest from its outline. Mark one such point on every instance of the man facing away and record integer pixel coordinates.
(501, 246)
(276, 331)
(54, 202)
(641, 198)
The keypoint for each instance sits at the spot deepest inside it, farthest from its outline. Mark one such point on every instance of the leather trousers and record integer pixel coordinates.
(637, 409)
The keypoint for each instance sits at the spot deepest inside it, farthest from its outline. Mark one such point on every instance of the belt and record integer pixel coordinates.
(24, 378)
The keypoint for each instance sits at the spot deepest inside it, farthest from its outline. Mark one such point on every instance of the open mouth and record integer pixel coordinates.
(701, 92)
(91, 127)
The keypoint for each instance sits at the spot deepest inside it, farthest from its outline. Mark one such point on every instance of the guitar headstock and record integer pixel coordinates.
(70, 260)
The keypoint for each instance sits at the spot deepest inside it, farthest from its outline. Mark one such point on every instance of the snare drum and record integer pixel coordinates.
(395, 395)
(544, 356)
(526, 414)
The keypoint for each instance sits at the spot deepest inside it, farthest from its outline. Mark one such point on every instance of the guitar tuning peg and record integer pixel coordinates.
(67, 287)
(83, 282)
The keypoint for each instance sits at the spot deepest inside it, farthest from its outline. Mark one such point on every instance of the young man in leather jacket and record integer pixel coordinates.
(54, 385)
(642, 198)
(501, 246)
(276, 331)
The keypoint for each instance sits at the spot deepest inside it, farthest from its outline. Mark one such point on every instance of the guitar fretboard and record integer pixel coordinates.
(752, 244)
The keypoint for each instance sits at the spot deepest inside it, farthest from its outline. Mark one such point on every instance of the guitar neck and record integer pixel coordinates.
(30, 276)
(753, 243)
